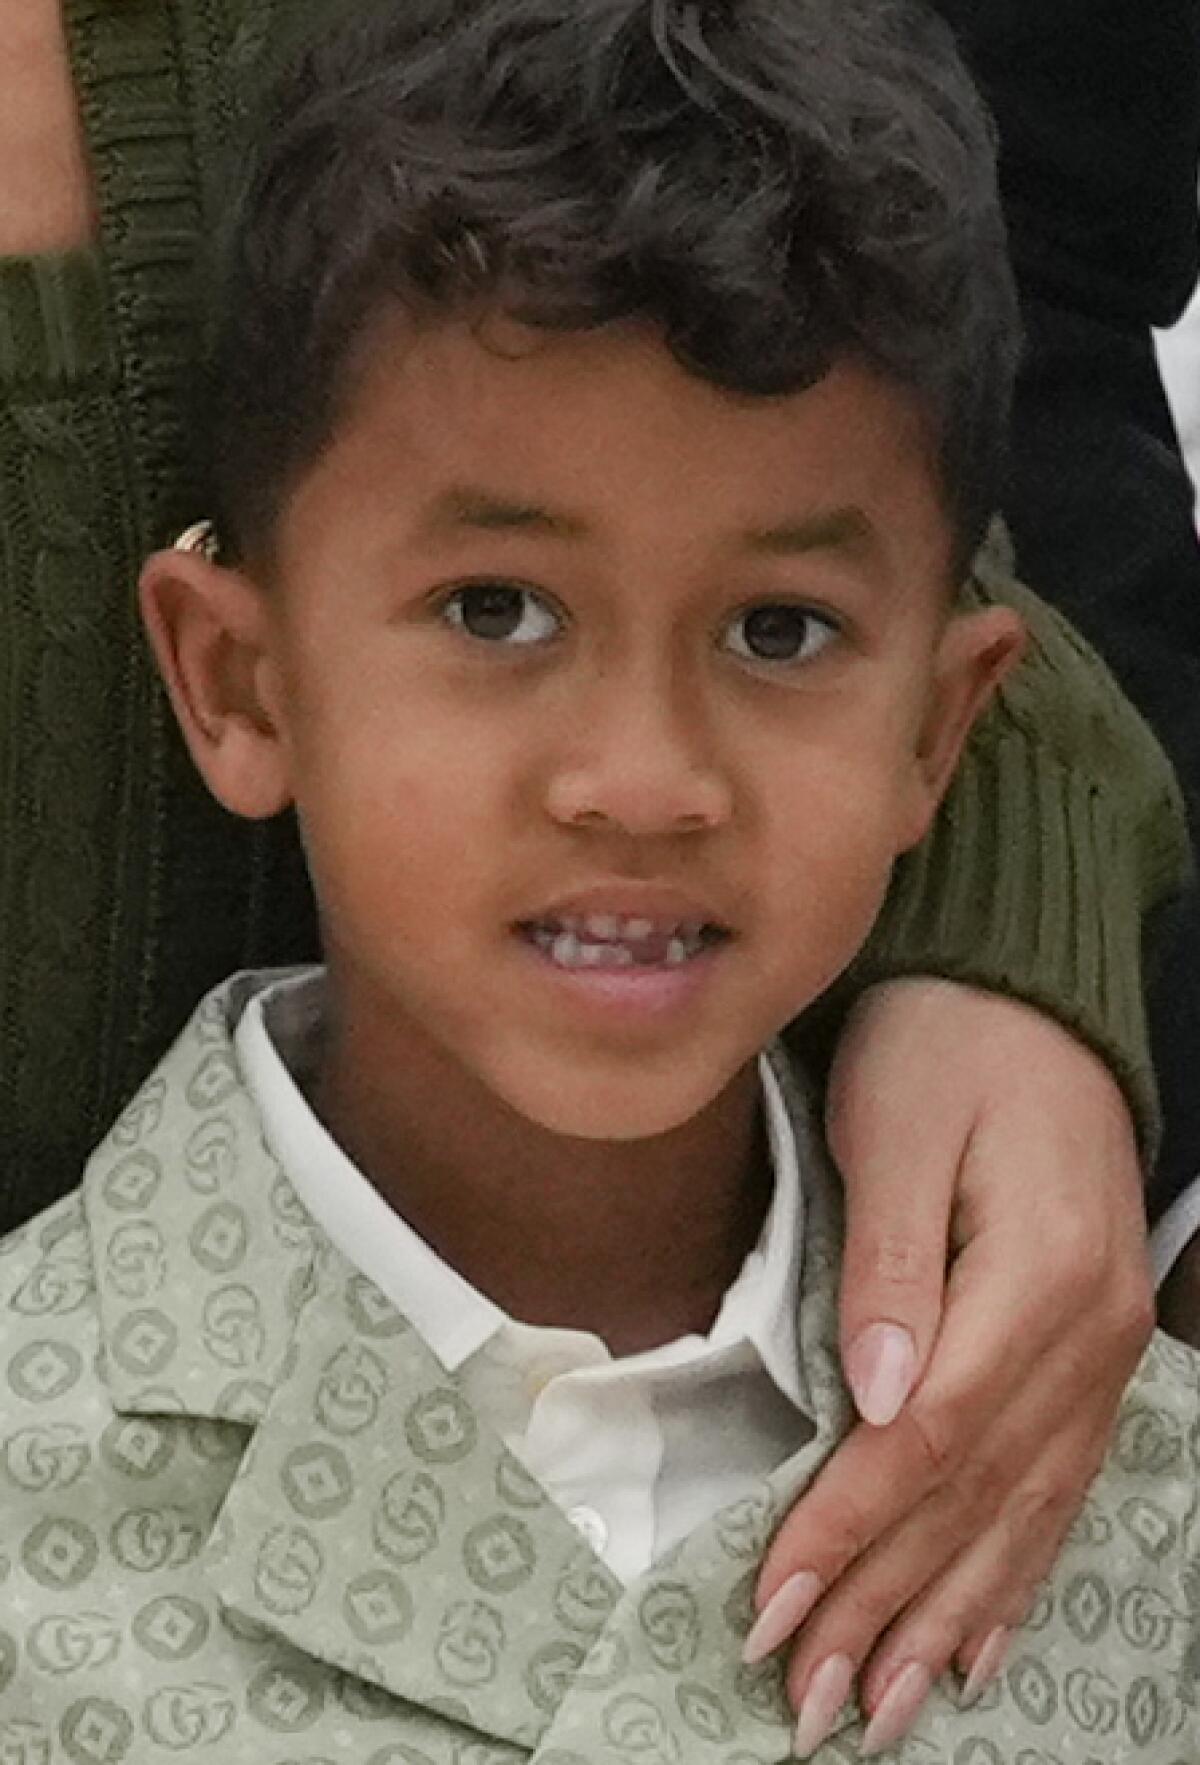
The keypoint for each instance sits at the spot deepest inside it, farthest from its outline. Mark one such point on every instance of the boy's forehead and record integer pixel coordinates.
(566, 436)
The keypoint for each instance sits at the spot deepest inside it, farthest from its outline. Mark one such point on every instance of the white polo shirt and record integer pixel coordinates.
(638, 1450)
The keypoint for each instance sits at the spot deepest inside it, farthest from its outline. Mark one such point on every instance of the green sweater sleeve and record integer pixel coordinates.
(1064, 827)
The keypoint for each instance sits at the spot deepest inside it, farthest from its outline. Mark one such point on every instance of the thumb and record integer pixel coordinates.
(899, 1173)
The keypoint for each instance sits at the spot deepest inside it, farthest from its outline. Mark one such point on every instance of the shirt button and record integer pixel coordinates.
(591, 1526)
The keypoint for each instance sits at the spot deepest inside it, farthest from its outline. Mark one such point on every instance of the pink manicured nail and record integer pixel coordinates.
(987, 1666)
(898, 1709)
(881, 1366)
(783, 1613)
(827, 1691)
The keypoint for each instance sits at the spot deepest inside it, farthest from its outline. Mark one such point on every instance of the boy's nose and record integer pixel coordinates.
(641, 770)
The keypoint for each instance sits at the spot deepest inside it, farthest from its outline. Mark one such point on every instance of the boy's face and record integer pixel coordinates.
(606, 699)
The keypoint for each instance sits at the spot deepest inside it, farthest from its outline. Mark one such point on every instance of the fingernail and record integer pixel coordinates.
(783, 1613)
(988, 1663)
(827, 1691)
(881, 1366)
(898, 1709)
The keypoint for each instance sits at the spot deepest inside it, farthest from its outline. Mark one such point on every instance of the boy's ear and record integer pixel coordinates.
(976, 651)
(209, 629)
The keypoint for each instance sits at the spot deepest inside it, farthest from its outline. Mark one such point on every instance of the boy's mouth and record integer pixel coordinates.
(616, 941)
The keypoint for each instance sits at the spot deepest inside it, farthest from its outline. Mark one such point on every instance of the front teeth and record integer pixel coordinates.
(569, 952)
(607, 928)
(639, 929)
(604, 941)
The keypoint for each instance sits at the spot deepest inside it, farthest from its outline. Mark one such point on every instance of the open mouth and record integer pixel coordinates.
(602, 940)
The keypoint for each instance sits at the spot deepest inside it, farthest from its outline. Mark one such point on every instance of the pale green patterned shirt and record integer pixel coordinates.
(247, 1515)
(637, 1451)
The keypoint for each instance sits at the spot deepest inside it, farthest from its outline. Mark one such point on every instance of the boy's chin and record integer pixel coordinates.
(590, 1107)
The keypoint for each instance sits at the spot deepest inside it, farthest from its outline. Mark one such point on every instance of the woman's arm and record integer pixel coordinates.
(1063, 830)
(977, 1135)
(45, 184)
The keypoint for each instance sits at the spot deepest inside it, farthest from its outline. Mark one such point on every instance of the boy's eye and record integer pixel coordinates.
(780, 633)
(496, 612)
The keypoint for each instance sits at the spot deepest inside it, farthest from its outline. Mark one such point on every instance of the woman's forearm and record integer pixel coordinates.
(45, 186)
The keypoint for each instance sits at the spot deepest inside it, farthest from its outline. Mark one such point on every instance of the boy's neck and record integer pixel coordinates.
(636, 1242)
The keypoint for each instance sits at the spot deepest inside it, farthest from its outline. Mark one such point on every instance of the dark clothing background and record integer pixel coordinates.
(1098, 103)
(1098, 106)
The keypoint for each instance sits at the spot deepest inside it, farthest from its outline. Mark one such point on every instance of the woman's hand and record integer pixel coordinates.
(970, 1131)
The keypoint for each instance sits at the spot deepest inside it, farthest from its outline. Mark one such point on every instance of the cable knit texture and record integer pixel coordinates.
(125, 893)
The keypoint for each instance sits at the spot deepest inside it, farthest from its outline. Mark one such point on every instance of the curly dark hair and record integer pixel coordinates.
(771, 183)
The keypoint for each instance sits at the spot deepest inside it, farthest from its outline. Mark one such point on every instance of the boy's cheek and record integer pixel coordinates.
(830, 882)
(917, 802)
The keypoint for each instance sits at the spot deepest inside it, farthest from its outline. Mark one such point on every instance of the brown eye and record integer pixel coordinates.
(780, 633)
(499, 613)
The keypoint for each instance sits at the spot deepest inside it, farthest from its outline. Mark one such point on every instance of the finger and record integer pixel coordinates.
(893, 1283)
(871, 1481)
(897, 1230)
(978, 1661)
(982, 1662)
(893, 1506)
(992, 1581)
(871, 1595)
(998, 1297)
(877, 1476)
(990, 1587)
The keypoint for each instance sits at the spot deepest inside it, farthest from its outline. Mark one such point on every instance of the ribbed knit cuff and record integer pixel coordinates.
(132, 79)
(1050, 914)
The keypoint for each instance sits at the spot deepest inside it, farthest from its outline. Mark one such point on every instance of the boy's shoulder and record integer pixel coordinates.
(48, 1326)
(166, 1282)
(1151, 1487)
(1141, 1525)
(1109, 1657)
(1158, 1426)
(1166, 1385)
(143, 1321)
(75, 1465)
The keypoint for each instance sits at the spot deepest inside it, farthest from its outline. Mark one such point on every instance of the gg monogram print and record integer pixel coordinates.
(245, 1513)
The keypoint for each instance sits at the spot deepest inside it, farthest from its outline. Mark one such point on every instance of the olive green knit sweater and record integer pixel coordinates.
(124, 892)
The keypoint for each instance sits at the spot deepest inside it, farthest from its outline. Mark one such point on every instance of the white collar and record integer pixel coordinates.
(454, 1317)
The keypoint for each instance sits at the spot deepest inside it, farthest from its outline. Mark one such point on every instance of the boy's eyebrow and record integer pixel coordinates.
(486, 513)
(844, 529)
(837, 529)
